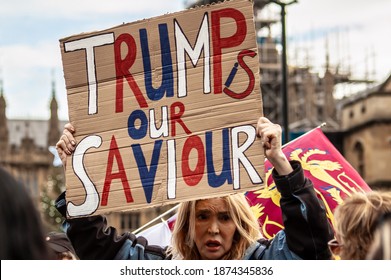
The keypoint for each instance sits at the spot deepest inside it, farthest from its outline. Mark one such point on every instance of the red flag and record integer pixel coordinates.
(333, 177)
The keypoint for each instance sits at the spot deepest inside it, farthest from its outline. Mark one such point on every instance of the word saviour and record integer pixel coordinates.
(165, 110)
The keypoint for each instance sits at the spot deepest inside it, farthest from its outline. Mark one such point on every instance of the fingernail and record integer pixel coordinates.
(73, 142)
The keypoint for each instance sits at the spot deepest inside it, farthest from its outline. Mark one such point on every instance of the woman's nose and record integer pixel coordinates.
(213, 228)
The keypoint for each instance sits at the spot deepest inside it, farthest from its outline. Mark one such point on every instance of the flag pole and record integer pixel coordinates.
(156, 219)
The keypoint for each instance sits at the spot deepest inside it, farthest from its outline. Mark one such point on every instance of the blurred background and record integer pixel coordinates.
(336, 71)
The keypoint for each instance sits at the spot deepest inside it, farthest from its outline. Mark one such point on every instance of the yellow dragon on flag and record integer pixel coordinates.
(333, 178)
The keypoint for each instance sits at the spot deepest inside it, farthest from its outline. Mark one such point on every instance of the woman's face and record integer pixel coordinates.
(214, 228)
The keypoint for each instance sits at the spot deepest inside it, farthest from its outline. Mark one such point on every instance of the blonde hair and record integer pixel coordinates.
(247, 229)
(355, 222)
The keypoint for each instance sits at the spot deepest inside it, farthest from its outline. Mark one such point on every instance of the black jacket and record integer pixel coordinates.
(305, 235)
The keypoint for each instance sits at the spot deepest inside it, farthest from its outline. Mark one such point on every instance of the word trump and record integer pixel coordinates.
(125, 43)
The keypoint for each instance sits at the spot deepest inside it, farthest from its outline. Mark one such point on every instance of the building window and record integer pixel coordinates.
(359, 152)
(351, 114)
(320, 113)
(363, 109)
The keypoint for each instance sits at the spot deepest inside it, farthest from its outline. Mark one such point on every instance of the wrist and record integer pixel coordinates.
(281, 164)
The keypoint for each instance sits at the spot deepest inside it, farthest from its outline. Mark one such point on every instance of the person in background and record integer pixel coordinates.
(221, 227)
(61, 246)
(355, 221)
(21, 232)
(380, 248)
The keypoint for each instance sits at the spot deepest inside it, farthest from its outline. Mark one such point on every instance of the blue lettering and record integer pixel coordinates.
(166, 60)
(147, 176)
(137, 133)
(225, 175)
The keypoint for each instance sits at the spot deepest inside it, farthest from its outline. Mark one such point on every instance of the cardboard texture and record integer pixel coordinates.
(165, 110)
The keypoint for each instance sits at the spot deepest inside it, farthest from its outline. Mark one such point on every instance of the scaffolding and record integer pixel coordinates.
(311, 100)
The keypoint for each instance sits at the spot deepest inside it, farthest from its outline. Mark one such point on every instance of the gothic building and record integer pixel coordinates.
(24, 146)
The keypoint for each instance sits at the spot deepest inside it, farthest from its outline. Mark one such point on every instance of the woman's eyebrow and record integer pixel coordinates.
(208, 211)
(203, 211)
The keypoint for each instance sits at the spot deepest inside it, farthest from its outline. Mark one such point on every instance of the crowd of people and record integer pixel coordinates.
(208, 229)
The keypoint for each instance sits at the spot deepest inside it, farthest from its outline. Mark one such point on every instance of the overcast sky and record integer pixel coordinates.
(356, 33)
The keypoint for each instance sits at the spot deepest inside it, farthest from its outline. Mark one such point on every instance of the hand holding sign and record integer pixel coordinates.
(66, 145)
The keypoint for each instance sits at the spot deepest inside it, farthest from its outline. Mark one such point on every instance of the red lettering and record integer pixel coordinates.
(114, 153)
(193, 177)
(122, 67)
(220, 43)
(176, 117)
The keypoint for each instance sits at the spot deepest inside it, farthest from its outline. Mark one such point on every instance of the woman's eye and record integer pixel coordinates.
(202, 216)
(225, 217)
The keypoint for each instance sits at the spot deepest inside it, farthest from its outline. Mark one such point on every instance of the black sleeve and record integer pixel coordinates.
(306, 225)
(92, 239)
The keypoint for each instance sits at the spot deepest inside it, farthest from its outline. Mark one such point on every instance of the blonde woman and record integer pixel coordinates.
(355, 223)
(218, 228)
(196, 237)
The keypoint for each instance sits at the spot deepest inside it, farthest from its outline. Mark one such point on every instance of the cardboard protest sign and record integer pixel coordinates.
(165, 110)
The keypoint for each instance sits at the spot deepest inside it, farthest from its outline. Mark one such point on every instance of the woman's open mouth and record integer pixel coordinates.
(213, 244)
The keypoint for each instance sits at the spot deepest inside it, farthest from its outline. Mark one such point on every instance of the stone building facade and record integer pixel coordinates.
(366, 126)
(24, 146)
